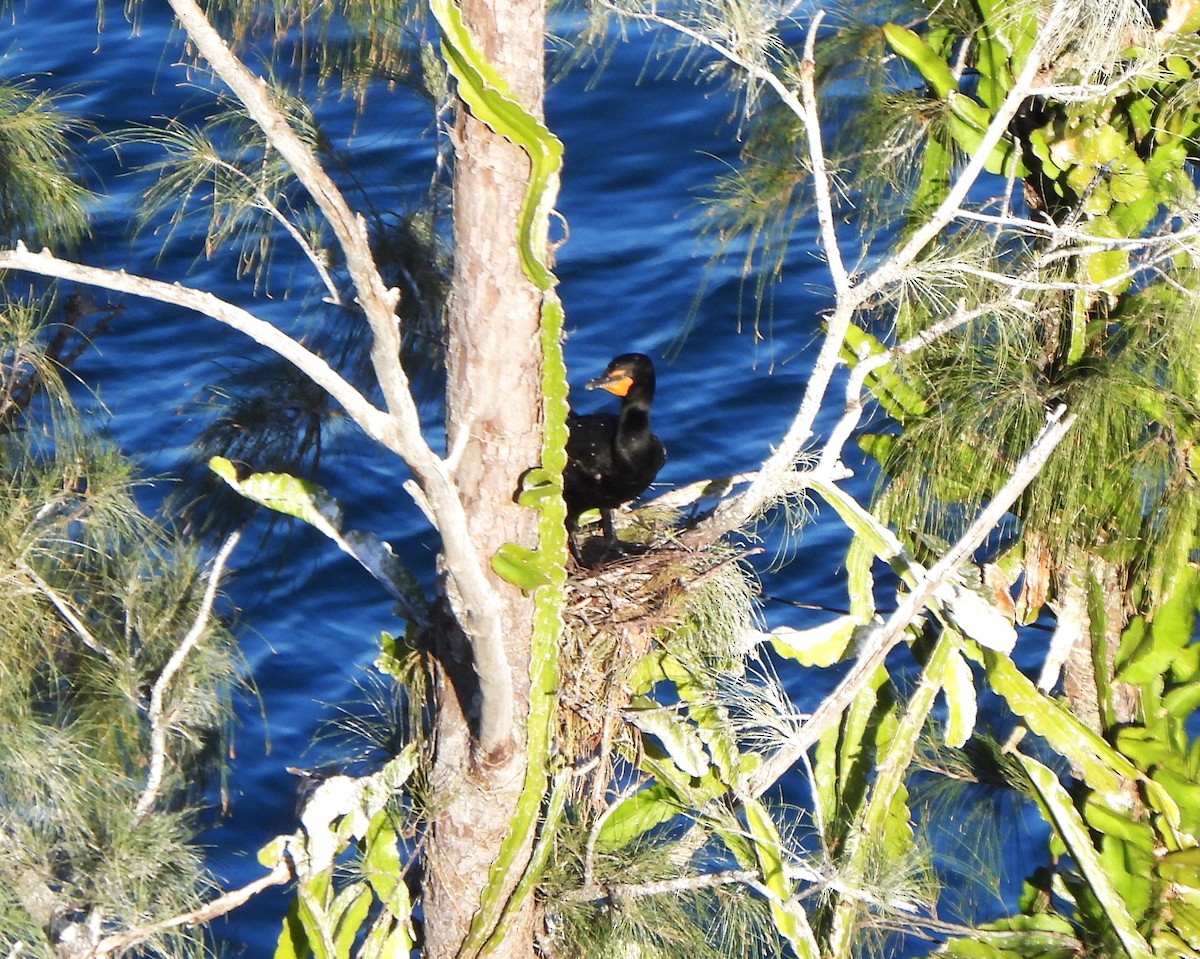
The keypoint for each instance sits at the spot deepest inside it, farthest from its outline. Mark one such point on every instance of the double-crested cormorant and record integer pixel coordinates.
(612, 458)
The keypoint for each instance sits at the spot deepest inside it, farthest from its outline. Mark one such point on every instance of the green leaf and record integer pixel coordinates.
(284, 494)
(995, 79)
(843, 764)
(387, 939)
(1103, 818)
(885, 824)
(1073, 831)
(1185, 921)
(521, 566)
(381, 864)
(1040, 146)
(1175, 618)
(1184, 790)
(273, 852)
(1181, 867)
(821, 645)
(637, 814)
(691, 792)
(312, 895)
(348, 911)
(786, 912)
(937, 164)
(538, 486)
(1145, 748)
(975, 949)
(1141, 117)
(825, 773)
(961, 704)
(1043, 935)
(678, 737)
(1015, 29)
(894, 393)
(877, 537)
(1149, 651)
(1101, 766)
(968, 124)
(292, 942)
(1178, 65)
(1166, 168)
(713, 727)
(933, 68)
(1105, 268)
(310, 503)
(658, 667)
(1130, 181)
(1182, 701)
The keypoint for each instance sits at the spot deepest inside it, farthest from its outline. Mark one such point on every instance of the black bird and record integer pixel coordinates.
(612, 458)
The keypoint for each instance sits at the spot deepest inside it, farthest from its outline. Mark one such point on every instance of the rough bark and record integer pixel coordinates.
(493, 434)
(1096, 648)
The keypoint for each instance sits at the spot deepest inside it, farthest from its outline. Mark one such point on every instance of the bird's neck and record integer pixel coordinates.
(635, 417)
(633, 429)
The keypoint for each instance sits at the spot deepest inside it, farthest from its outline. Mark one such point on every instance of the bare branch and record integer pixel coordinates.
(372, 420)
(893, 630)
(281, 873)
(804, 106)
(616, 892)
(66, 612)
(816, 158)
(831, 453)
(1062, 233)
(739, 510)
(158, 722)
(476, 605)
(378, 302)
(1113, 281)
(589, 856)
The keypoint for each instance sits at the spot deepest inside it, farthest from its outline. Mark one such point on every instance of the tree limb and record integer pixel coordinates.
(850, 296)
(378, 302)
(887, 636)
(67, 613)
(475, 603)
(373, 421)
(158, 723)
(855, 386)
(281, 873)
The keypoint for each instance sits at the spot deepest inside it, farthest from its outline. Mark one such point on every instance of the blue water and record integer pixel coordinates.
(641, 146)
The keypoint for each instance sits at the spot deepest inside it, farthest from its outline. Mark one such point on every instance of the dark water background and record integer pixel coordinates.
(643, 141)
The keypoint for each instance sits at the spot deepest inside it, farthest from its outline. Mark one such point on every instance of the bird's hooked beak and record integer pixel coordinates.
(616, 381)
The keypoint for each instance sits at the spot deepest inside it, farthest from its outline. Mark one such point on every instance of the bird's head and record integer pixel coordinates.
(623, 373)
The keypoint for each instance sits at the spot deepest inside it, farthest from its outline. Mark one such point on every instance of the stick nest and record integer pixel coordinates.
(615, 615)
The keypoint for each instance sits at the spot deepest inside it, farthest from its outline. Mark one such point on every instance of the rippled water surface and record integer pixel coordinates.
(641, 146)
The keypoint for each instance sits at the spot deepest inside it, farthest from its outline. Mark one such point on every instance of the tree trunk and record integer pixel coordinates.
(1095, 648)
(493, 427)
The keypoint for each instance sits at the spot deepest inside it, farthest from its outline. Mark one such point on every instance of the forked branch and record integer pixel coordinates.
(475, 602)
(476, 605)
(158, 694)
(852, 292)
(222, 905)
